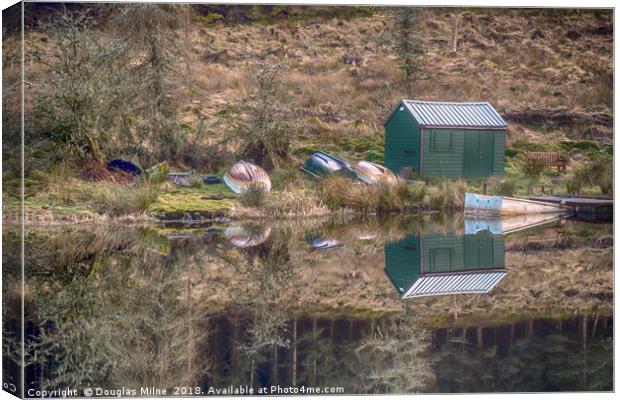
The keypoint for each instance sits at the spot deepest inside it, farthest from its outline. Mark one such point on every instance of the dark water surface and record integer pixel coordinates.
(343, 305)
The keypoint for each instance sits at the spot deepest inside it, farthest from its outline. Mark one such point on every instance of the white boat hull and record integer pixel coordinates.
(478, 204)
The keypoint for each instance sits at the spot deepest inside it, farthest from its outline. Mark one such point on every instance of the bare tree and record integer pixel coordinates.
(83, 94)
(263, 124)
(146, 29)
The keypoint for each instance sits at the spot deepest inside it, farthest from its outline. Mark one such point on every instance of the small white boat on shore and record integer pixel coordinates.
(372, 173)
(242, 175)
(479, 204)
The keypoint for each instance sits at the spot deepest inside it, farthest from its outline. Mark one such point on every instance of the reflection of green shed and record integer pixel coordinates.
(437, 264)
(453, 140)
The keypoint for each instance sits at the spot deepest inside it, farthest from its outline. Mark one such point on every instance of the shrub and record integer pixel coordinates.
(573, 184)
(532, 168)
(504, 187)
(512, 152)
(283, 177)
(253, 196)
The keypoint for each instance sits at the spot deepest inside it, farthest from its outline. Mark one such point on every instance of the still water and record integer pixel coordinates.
(340, 305)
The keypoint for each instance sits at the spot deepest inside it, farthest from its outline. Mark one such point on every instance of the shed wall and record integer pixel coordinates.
(499, 151)
(450, 153)
(442, 152)
(442, 253)
(402, 262)
(402, 141)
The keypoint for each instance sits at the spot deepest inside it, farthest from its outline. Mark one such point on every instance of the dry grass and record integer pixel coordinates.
(448, 195)
(299, 202)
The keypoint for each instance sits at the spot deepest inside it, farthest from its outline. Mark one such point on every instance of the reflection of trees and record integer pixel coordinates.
(268, 288)
(112, 311)
(11, 305)
(275, 348)
(266, 291)
(551, 363)
(393, 360)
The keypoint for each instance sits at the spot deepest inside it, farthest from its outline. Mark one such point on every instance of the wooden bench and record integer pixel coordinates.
(549, 159)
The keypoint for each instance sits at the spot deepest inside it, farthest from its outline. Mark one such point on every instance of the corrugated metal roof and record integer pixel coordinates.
(434, 285)
(435, 113)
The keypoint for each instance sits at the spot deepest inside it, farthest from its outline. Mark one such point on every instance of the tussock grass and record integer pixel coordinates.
(448, 195)
(253, 196)
(285, 178)
(123, 200)
(296, 202)
(342, 193)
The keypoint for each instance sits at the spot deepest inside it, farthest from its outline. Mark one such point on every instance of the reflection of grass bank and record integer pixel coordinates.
(542, 281)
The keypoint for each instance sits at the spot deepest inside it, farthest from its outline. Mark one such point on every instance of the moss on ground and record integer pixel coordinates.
(207, 199)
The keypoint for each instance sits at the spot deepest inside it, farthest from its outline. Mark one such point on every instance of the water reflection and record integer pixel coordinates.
(434, 264)
(256, 304)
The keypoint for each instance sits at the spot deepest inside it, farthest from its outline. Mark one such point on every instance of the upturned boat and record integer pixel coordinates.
(479, 204)
(243, 175)
(372, 173)
(322, 164)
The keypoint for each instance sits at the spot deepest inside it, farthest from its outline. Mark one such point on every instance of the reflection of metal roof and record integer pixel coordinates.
(434, 113)
(463, 283)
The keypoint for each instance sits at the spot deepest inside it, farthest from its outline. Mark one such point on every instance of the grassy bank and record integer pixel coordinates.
(60, 195)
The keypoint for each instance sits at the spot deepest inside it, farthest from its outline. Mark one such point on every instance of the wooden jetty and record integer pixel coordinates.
(593, 209)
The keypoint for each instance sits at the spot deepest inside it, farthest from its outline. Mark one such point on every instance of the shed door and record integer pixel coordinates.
(478, 251)
(478, 158)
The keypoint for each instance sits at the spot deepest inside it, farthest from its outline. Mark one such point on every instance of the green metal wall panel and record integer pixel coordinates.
(483, 251)
(442, 152)
(499, 251)
(499, 150)
(442, 253)
(479, 153)
(402, 262)
(402, 141)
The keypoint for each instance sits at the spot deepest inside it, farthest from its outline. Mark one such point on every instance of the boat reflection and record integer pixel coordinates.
(247, 236)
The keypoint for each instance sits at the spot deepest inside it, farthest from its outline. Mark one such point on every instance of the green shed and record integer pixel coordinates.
(452, 140)
(437, 264)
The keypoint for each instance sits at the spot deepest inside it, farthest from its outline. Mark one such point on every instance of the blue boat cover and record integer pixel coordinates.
(125, 166)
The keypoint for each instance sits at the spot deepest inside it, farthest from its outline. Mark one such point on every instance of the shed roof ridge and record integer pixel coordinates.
(473, 103)
(447, 113)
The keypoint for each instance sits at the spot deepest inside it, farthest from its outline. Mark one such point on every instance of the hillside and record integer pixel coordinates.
(203, 86)
(548, 72)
